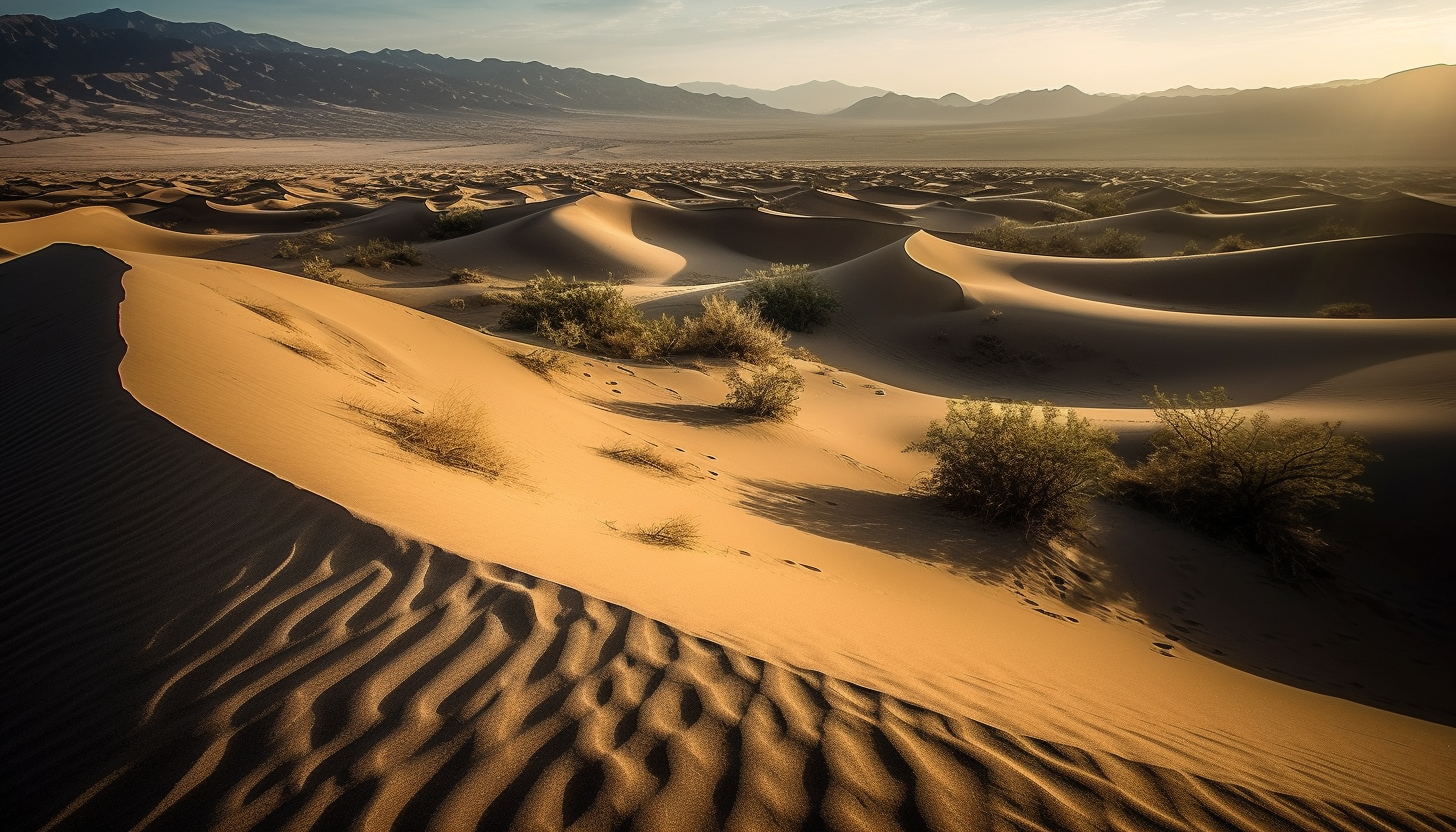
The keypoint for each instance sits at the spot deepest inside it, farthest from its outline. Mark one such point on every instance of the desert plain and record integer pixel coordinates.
(235, 601)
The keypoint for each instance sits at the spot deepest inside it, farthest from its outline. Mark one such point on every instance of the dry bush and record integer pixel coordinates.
(463, 275)
(731, 330)
(297, 247)
(380, 253)
(306, 348)
(594, 316)
(1348, 309)
(770, 393)
(791, 296)
(1233, 242)
(1333, 229)
(1249, 478)
(1007, 467)
(643, 456)
(453, 433)
(495, 298)
(679, 532)
(457, 304)
(1009, 235)
(458, 222)
(1191, 207)
(1189, 248)
(272, 313)
(542, 362)
(318, 268)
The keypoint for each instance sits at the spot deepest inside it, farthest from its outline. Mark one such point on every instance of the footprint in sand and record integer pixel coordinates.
(837, 383)
(811, 568)
(588, 375)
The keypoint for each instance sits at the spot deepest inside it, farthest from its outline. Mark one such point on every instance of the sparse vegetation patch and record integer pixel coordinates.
(679, 532)
(458, 222)
(1346, 310)
(769, 393)
(791, 296)
(452, 433)
(380, 253)
(643, 456)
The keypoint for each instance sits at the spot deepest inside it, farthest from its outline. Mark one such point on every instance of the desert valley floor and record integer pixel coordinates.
(233, 603)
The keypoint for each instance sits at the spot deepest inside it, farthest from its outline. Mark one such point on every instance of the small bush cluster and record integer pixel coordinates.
(453, 433)
(1008, 467)
(1103, 205)
(643, 456)
(1191, 207)
(319, 268)
(1233, 242)
(295, 248)
(463, 275)
(495, 298)
(1333, 229)
(1189, 248)
(791, 296)
(1249, 478)
(380, 253)
(1063, 242)
(596, 316)
(458, 222)
(1252, 479)
(679, 532)
(771, 392)
(542, 362)
(1347, 309)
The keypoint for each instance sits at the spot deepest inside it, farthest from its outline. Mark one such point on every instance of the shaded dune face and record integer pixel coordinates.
(195, 644)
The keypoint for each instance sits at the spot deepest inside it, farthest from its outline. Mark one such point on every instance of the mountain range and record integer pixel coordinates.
(128, 71)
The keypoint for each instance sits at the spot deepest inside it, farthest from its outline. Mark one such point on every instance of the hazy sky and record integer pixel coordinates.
(978, 48)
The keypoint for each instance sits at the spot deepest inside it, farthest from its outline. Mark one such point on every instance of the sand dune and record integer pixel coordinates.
(235, 604)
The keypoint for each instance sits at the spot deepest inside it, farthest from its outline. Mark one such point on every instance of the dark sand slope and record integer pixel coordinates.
(194, 644)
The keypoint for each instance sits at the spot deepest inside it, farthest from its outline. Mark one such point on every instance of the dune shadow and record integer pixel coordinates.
(900, 525)
(695, 415)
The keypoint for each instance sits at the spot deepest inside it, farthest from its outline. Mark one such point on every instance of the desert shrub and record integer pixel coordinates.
(1333, 229)
(675, 532)
(1346, 310)
(319, 268)
(791, 296)
(457, 222)
(464, 275)
(453, 433)
(732, 330)
(1250, 478)
(1191, 207)
(770, 393)
(495, 298)
(1116, 243)
(1233, 242)
(458, 304)
(573, 314)
(1190, 247)
(1008, 235)
(1007, 467)
(296, 247)
(643, 456)
(542, 362)
(1104, 205)
(306, 348)
(380, 253)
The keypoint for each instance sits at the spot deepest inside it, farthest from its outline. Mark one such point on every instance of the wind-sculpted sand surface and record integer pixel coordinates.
(235, 601)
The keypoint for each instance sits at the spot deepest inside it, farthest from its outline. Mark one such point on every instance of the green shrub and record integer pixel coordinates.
(731, 330)
(380, 253)
(1007, 467)
(296, 247)
(318, 268)
(1346, 310)
(1104, 205)
(573, 314)
(1249, 478)
(1116, 243)
(1233, 242)
(771, 393)
(457, 222)
(791, 296)
(1011, 236)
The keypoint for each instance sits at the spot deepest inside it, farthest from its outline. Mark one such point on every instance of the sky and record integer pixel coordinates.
(978, 48)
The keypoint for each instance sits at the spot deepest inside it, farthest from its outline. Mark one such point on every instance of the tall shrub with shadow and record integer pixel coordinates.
(1008, 467)
(1252, 479)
